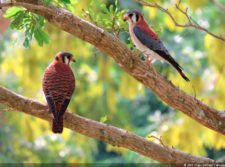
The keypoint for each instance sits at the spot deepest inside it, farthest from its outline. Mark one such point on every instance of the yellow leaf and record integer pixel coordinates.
(195, 4)
(151, 12)
(129, 87)
(179, 17)
(208, 41)
(111, 99)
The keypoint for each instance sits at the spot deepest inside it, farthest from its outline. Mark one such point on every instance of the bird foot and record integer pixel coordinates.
(149, 61)
(137, 52)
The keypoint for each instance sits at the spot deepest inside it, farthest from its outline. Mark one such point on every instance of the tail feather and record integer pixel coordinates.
(184, 76)
(178, 68)
(169, 59)
(57, 125)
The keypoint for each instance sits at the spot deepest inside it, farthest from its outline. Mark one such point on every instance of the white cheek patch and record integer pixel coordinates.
(134, 18)
(70, 63)
(67, 61)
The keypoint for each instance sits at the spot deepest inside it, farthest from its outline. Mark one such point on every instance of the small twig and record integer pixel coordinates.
(159, 139)
(87, 14)
(191, 22)
(193, 87)
(113, 24)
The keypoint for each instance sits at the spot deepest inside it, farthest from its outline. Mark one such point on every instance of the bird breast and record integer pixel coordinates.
(59, 82)
(136, 42)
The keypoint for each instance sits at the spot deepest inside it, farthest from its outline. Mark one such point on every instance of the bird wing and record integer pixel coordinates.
(52, 106)
(154, 44)
(69, 92)
(63, 107)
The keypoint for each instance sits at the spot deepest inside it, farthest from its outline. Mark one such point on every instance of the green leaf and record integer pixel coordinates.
(32, 25)
(26, 43)
(103, 119)
(12, 11)
(65, 1)
(104, 8)
(17, 20)
(47, 2)
(41, 37)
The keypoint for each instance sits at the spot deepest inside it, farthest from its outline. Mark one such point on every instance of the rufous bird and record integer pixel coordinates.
(58, 85)
(148, 42)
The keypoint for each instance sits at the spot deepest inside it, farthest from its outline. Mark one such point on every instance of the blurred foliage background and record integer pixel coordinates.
(106, 93)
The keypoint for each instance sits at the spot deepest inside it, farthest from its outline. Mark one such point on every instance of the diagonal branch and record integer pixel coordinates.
(190, 21)
(109, 134)
(131, 63)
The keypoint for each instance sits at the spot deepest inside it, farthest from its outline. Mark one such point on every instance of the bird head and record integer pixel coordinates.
(133, 17)
(64, 57)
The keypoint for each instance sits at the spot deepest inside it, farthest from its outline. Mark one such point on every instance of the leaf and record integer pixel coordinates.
(103, 119)
(197, 4)
(47, 2)
(12, 12)
(26, 43)
(31, 23)
(41, 37)
(65, 1)
(17, 20)
(111, 99)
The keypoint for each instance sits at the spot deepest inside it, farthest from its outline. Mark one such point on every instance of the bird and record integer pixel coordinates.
(148, 42)
(58, 85)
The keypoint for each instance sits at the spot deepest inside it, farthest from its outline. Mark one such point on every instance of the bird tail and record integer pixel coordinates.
(57, 125)
(184, 76)
(179, 69)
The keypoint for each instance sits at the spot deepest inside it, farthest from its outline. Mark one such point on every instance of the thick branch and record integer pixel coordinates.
(131, 63)
(109, 134)
(190, 22)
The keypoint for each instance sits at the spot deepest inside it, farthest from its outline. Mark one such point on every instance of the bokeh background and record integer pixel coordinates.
(106, 93)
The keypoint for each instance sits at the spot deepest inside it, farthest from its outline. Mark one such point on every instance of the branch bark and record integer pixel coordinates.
(109, 134)
(190, 21)
(131, 63)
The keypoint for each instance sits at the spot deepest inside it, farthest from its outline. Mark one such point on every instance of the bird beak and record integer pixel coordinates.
(125, 17)
(73, 60)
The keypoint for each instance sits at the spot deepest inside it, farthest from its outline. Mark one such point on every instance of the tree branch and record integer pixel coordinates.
(131, 63)
(191, 22)
(109, 134)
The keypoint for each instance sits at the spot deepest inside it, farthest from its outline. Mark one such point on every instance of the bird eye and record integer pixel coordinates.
(130, 15)
(57, 59)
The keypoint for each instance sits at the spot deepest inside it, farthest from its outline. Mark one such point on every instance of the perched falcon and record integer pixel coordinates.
(58, 85)
(147, 41)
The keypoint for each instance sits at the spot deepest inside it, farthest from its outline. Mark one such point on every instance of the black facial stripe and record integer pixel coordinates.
(63, 59)
(137, 17)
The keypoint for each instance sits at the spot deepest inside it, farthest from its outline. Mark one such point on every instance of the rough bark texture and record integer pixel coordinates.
(130, 62)
(112, 135)
(4, 23)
